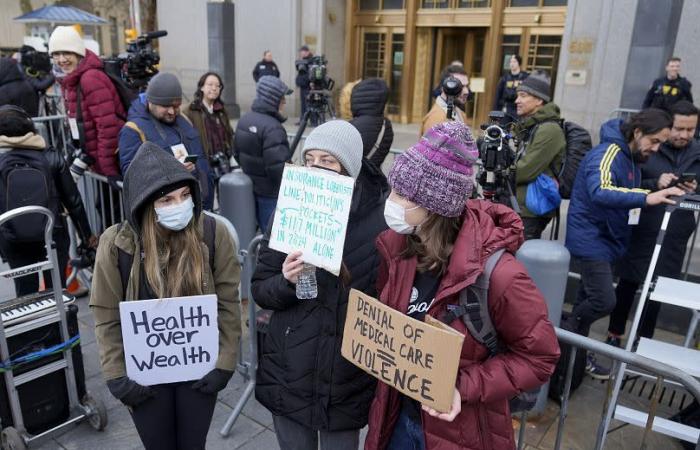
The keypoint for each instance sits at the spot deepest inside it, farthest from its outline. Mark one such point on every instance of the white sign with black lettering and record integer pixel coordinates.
(170, 340)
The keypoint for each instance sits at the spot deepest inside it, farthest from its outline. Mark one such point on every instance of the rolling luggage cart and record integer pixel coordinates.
(16, 437)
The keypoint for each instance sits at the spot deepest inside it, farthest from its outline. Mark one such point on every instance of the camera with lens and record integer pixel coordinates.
(139, 64)
(452, 88)
(86, 257)
(81, 161)
(220, 165)
(35, 63)
(497, 160)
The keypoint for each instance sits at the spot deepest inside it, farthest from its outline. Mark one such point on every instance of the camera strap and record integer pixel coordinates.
(79, 118)
(375, 147)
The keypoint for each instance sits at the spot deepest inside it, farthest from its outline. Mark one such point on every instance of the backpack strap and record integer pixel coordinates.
(209, 236)
(473, 307)
(136, 128)
(375, 147)
(124, 263)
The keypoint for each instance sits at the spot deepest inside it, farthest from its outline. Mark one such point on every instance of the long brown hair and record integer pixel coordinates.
(173, 260)
(434, 252)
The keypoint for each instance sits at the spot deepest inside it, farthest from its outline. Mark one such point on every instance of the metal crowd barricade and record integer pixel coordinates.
(622, 113)
(104, 205)
(247, 368)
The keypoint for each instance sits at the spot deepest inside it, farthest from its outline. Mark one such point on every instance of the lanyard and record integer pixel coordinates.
(162, 133)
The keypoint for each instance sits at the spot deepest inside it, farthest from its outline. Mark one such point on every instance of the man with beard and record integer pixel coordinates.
(438, 113)
(678, 156)
(542, 145)
(605, 203)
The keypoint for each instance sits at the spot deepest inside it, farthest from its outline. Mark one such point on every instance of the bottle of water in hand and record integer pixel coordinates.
(306, 284)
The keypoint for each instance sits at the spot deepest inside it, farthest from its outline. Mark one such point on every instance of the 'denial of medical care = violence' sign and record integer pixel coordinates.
(170, 340)
(312, 215)
(420, 359)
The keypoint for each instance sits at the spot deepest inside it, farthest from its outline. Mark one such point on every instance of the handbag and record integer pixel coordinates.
(542, 195)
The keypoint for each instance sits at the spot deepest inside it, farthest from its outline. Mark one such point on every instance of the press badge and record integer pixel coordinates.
(634, 216)
(179, 151)
(73, 124)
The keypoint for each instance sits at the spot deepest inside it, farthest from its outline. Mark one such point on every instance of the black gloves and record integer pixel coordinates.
(129, 392)
(213, 382)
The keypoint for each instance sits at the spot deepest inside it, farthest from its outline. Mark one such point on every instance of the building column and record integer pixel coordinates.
(492, 62)
(221, 26)
(409, 61)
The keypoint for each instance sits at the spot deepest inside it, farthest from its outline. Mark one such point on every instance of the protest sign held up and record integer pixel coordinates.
(312, 215)
(170, 340)
(420, 359)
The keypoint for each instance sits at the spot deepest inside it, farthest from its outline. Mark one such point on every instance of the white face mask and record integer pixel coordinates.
(176, 217)
(395, 216)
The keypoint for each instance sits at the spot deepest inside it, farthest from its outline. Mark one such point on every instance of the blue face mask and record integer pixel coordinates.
(175, 217)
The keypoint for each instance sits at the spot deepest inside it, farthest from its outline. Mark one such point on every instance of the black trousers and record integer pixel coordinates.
(19, 255)
(625, 293)
(177, 418)
(595, 298)
(534, 226)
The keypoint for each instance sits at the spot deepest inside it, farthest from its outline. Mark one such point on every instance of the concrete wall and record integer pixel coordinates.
(687, 47)
(184, 50)
(596, 43)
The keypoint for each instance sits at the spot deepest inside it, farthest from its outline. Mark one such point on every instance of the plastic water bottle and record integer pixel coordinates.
(307, 287)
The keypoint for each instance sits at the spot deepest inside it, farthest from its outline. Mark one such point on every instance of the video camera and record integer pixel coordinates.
(497, 159)
(452, 88)
(35, 63)
(138, 65)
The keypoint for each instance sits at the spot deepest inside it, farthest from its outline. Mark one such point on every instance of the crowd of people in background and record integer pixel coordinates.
(415, 238)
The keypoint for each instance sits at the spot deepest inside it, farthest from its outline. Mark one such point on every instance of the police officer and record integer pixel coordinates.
(506, 89)
(666, 91)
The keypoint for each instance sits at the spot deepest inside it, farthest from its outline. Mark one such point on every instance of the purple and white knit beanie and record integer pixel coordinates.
(437, 173)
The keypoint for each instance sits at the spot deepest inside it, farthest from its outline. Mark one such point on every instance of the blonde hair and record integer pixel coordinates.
(173, 260)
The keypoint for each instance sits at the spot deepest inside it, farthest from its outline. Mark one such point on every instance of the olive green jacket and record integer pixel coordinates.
(106, 293)
(541, 152)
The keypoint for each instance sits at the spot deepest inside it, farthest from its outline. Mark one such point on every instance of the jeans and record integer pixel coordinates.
(294, 436)
(534, 226)
(625, 293)
(177, 418)
(265, 209)
(407, 435)
(595, 298)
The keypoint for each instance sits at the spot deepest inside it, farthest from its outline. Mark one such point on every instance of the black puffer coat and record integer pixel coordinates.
(15, 89)
(302, 375)
(367, 103)
(261, 148)
(635, 263)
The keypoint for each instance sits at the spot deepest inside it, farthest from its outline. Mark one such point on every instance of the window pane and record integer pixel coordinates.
(555, 2)
(524, 2)
(474, 4)
(434, 4)
(509, 47)
(394, 103)
(392, 4)
(369, 4)
(373, 60)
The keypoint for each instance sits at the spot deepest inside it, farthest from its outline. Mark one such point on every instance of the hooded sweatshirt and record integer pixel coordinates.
(151, 170)
(606, 188)
(15, 89)
(517, 310)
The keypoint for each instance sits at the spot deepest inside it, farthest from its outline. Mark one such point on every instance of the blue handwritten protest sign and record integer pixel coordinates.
(312, 215)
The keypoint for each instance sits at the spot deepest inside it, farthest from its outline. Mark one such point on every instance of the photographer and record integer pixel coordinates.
(90, 98)
(438, 113)
(506, 90)
(542, 145)
(208, 115)
(676, 163)
(21, 148)
(302, 79)
(36, 68)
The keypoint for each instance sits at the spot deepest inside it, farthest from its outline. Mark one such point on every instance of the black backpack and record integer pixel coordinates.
(126, 94)
(474, 311)
(578, 143)
(25, 179)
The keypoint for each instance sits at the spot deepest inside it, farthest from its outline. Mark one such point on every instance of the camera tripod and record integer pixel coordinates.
(317, 111)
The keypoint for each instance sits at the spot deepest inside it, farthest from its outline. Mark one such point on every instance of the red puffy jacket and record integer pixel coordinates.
(102, 111)
(518, 312)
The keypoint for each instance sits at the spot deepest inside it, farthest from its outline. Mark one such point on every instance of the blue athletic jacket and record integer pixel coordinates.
(165, 136)
(606, 188)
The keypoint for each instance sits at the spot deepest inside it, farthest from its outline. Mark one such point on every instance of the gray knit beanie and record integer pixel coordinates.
(164, 89)
(339, 139)
(270, 90)
(537, 84)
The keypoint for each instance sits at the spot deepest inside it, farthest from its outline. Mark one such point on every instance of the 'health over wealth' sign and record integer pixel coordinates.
(170, 340)
(312, 215)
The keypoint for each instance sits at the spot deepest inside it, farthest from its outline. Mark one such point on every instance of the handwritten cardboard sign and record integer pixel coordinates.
(170, 340)
(312, 215)
(420, 359)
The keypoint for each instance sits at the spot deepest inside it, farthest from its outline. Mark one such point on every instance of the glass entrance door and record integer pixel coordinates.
(383, 57)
